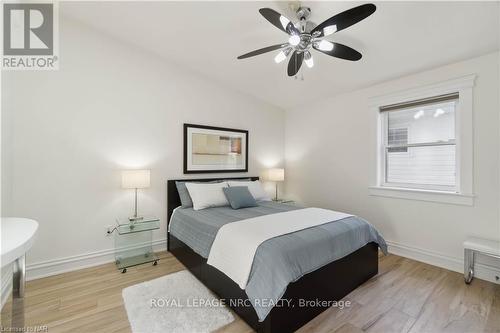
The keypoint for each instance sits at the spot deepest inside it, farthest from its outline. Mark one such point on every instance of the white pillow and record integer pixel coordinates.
(207, 195)
(255, 188)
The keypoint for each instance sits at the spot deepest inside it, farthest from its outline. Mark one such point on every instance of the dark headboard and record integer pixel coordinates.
(173, 199)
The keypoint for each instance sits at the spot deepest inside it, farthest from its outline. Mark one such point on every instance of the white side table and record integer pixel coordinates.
(475, 245)
(17, 238)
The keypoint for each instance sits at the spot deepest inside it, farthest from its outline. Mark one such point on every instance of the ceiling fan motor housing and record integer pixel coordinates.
(305, 42)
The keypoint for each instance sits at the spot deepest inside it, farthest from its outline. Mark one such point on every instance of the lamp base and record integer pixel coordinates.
(135, 218)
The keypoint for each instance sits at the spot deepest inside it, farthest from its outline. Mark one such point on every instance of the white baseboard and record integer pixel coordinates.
(481, 271)
(72, 263)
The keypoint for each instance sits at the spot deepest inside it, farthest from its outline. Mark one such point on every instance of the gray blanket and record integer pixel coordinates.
(280, 260)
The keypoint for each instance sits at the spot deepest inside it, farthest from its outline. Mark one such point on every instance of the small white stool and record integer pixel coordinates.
(474, 245)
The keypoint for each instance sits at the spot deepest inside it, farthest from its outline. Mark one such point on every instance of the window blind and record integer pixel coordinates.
(420, 102)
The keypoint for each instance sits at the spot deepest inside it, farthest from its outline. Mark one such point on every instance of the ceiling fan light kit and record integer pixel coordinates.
(308, 59)
(305, 36)
(282, 55)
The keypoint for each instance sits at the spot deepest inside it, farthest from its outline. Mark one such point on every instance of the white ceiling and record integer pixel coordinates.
(398, 39)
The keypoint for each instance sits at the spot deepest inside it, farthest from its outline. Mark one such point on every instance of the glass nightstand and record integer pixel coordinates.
(285, 201)
(133, 242)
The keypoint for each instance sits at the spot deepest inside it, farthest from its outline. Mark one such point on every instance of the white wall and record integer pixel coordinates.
(328, 161)
(68, 133)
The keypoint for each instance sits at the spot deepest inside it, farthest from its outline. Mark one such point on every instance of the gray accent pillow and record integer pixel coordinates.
(186, 201)
(239, 197)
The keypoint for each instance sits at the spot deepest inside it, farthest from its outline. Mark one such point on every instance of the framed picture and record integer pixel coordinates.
(215, 149)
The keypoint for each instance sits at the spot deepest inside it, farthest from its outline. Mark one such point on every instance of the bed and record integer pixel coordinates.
(192, 232)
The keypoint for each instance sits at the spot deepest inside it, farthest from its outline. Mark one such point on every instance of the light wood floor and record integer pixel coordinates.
(406, 296)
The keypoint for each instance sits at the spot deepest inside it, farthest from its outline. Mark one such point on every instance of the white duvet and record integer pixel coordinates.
(236, 243)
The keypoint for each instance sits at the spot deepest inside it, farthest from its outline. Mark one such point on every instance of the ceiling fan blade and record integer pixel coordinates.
(295, 63)
(279, 21)
(339, 51)
(263, 50)
(345, 19)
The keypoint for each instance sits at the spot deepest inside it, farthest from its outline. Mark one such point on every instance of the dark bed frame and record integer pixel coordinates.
(329, 283)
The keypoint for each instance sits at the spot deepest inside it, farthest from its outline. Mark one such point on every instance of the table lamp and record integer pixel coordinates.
(135, 179)
(275, 175)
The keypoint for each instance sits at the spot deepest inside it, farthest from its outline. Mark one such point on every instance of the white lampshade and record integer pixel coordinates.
(135, 178)
(274, 175)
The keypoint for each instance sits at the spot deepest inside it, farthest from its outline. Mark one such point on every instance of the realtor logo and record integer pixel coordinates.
(29, 36)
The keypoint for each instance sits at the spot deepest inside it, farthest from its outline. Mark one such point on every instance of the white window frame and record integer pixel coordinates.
(463, 192)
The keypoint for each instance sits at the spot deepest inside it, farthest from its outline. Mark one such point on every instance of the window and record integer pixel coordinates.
(424, 143)
(428, 159)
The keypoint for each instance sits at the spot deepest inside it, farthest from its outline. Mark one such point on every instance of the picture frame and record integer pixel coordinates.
(210, 149)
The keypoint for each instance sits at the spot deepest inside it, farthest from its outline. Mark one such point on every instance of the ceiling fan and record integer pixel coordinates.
(306, 35)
